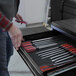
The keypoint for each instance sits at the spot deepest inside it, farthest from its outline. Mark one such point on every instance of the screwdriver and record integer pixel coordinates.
(24, 44)
(43, 57)
(47, 68)
(41, 39)
(61, 57)
(30, 49)
(43, 42)
(46, 50)
(52, 55)
(52, 51)
(65, 59)
(48, 56)
(64, 62)
(69, 48)
(46, 46)
(45, 39)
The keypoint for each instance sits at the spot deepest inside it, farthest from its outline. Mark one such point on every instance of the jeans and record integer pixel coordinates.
(6, 50)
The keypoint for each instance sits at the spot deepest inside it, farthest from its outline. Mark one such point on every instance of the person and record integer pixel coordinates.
(10, 35)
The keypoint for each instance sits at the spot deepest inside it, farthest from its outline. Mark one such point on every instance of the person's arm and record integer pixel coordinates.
(15, 33)
(16, 36)
(4, 22)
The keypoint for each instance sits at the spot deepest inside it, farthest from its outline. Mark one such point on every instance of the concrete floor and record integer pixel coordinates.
(17, 67)
(27, 74)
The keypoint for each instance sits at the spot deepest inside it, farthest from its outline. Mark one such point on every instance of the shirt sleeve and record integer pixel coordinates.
(5, 23)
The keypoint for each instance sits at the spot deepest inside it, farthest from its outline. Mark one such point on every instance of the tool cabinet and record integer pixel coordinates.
(53, 53)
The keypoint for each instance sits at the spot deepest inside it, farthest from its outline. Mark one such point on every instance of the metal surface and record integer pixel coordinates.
(39, 40)
(65, 58)
(33, 29)
(56, 59)
(46, 46)
(60, 55)
(46, 50)
(66, 27)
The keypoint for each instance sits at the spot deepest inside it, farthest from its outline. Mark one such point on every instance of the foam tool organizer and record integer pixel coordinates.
(51, 54)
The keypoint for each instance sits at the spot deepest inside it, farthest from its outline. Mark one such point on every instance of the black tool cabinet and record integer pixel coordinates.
(34, 61)
(54, 51)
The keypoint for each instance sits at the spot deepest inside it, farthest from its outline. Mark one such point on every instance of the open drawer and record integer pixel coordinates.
(52, 53)
(48, 55)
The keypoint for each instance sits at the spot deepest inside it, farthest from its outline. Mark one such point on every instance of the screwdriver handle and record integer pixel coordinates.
(46, 68)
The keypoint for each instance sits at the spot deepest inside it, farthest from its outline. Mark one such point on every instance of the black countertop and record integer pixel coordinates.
(68, 26)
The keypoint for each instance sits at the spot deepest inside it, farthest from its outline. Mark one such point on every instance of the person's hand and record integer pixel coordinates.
(16, 36)
(18, 18)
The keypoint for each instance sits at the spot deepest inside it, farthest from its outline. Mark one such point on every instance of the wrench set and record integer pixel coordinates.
(49, 50)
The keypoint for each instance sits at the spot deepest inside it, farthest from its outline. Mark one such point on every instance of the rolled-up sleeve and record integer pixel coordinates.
(5, 23)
